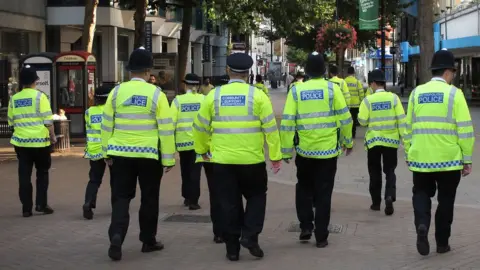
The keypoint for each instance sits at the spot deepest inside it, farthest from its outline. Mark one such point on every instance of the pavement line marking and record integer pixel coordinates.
(403, 199)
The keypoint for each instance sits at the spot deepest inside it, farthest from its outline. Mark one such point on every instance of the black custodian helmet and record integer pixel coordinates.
(140, 60)
(376, 75)
(443, 59)
(315, 66)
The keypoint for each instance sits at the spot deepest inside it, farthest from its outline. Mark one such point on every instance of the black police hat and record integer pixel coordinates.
(376, 75)
(333, 69)
(225, 79)
(103, 91)
(239, 62)
(300, 74)
(443, 59)
(315, 66)
(192, 79)
(351, 70)
(28, 75)
(369, 77)
(258, 78)
(140, 60)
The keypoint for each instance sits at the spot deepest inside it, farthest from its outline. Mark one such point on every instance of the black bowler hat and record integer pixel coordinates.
(315, 66)
(103, 91)
(376, 75)
(140, 60)
(239, 62)
(443, 59)
(28, 75)
(192, 79)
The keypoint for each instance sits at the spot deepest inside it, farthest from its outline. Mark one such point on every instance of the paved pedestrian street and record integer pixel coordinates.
(360, 238)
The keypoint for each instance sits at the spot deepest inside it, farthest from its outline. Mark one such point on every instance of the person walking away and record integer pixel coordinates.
(184, 109)
(299, 77)
(206, 87)
(251, 77)
(30, 115)
(316, 109)
(239, 113)
(260, 85)
(357, 94)
(369, 90)
(384, 116)
(93, 151)
(137, 132)
(333, 75)
(439, 141)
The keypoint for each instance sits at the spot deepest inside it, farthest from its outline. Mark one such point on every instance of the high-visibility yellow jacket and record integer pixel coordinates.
(316, 109)
(262, 87)
(355, 88)
(93, 126)
(368, 92)
(236, 117)
(184, 109)
(343, 86)
(439, 134)
(383, 113)
(28, 112)
(137, 123)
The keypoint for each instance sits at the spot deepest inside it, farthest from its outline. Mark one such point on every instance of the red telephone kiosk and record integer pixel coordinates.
(76, 83)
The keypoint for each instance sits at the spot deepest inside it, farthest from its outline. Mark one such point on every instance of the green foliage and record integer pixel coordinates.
(297, 56)
(240, 16)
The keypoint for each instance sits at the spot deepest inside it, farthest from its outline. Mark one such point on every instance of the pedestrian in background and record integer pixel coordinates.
(357, 94)
(153, 79)
(30, 115)
(260, 84)
(206, 87)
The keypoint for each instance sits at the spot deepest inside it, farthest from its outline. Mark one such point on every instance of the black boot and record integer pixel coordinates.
(305, 235)
(218, 239)
(152, 247)
(233, 250)
(443, 249)
(389, 206)
(194, 206)
(423, 247)
(252, 247)
(115, 250)
(87, 212)
(47, 210)
(375, 207)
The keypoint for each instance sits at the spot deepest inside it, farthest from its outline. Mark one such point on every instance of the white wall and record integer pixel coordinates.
(460, 25)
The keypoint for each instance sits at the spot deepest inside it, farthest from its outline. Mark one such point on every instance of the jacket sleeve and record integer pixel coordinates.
(165, 131)
(364, 112)
(407, 135)
(10, 113)
(46, 110)
(361, 91)
(346, 92)
(107, 123)
(343, 116)
(174, 111)
(288, 124)
(269, 127)
(202, 126)
(400, 116)
(466, 136)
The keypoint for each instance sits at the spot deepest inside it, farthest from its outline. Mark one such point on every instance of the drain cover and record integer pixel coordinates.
(188, 218)
(332, 228)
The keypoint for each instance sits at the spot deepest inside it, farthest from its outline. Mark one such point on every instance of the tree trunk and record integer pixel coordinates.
(184, 41)
(339, 57)
(425, 32)
(247, 43)
(89, 22)
(139, 18)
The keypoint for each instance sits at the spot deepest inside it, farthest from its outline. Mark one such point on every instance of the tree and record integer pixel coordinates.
(297, 56)
(185, 39)
(139, 18)
(425, 24)
(89, 23)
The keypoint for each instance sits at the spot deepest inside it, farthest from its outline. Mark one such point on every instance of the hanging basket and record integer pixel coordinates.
(336, 37)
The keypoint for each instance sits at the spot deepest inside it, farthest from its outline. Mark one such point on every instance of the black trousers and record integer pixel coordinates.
(27, 158)
(354, 113)
(97, 170)
(191, 173)
(215, 206)
(375, 156)
(316, 179)
(424, 188)
(125, 172)
(235, 181)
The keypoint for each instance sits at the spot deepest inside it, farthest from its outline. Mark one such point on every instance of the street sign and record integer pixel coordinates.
(368, 16)
(148, 36)
(206, 49)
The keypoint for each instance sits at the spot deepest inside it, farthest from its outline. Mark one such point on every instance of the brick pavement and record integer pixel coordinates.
(366, 240)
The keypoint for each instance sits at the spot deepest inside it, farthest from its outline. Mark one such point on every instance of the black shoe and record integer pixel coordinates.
(115, 250)
(321, 244)
(233, 257)
(152, 247)
(47, 210)
(218, 239)
(253, 248)
(423, 247)
(186, 202)
(305, 235)
(194, 206)
(375, 207)
(389, 206)
(87, 212)
(443, 249)
(27, 214)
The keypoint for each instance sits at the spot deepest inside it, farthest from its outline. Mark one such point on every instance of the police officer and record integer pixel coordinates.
(30, 115)
(299, 77)
(369, 90)
(137, 132)
(184, 109)
(316, 109)
(260, 85)
(384, 116)
(333, 75)
(357, 94)
(93, 150)
(237, 117)
(223, 80)
(438, 143)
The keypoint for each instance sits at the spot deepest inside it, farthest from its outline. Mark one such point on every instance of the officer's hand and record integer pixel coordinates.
(169, 168)
(347, 151)
(206, 157)
(109, 161)
(276, 165)
(467, 169)
(287, 160)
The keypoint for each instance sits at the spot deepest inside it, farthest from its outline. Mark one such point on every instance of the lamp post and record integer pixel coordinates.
(382, 27)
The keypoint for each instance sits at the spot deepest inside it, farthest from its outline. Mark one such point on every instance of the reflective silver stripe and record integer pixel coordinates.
(270, 129)
(464, 124)
(166, 132)
(395, 101)
(288, 117)
(10, 119)
(47, 122)
(342, 111)
(314, 115)
(363, 121)
(466, 135)
(287, 128)
(31, 115)
(175, 101)
(133, 116)
(346, 122)
(317, 126)
(156, 94)
(216, 101)
(168, 156)
(37, 101)
(268, 118)
(467, 158)
(287, 150)
(330, 95)
(165, 121)
(203, 120)
(114, 98)
(135, 127)
(94, 139)
(294, 93)
(429, 131)
(28, 124)
(184, 129)
(367, 103)
(437, 119)
(94, 131)
(451, 99)
(384, 127)
(107, 117)
(251, 90)
(105, 128)
(382, 118)
(412, 101)
(183, 120)
(403, 125)
(235, 118)
(237, 130)
(408, 136)
(400, 117)
(201, 129)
